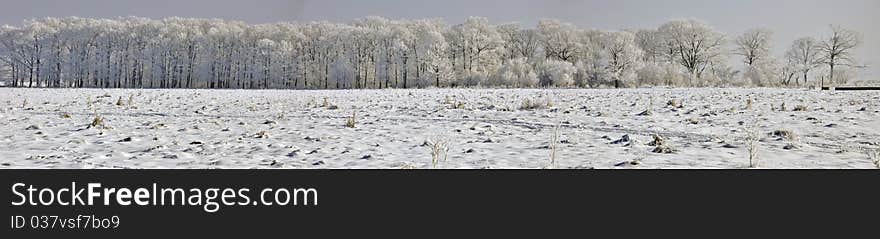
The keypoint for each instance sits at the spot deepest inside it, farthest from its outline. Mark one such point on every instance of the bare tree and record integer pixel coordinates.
(837, 50)
(753, 46)
(693, 44)
(804, 56)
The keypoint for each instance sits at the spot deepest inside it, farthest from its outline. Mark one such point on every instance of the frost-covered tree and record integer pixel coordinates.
(560, 41)
(651, 43)
(519, 42)
(593, 66)
(13, 52)
(375, 52)
(517, 72)
(804, 56)
(693, 44)
(475, 46)
(623, 56)
(556, 73)
(753, 46)
(434, 68)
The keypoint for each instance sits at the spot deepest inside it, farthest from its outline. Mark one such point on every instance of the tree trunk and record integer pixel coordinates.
(830, 77)
(805, 79)
(405, 70)
(14, 77)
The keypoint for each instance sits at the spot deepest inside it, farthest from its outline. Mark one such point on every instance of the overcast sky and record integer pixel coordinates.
(789, 19)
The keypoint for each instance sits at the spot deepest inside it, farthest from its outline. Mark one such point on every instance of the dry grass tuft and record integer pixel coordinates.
(674, 103)
(661, 145)
(535, 104)
(439, 151)
(119, 102)
(98, 122)
(330, 106)
(874, 156)
(351, 122)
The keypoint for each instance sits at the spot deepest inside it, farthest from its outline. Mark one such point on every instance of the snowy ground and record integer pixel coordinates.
(484, 128)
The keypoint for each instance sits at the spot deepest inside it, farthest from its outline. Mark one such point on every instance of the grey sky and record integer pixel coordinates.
(789, 19)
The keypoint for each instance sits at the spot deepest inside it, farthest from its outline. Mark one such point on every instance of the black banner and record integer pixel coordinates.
(445, 202)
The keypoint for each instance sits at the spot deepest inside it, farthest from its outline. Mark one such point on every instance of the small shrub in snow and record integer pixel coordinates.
(439, 151)
(661, 145)
(98, 122)
(351, 122)
(752, 138)
(119, 102)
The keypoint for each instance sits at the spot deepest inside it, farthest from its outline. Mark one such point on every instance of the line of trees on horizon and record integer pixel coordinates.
(376, 52)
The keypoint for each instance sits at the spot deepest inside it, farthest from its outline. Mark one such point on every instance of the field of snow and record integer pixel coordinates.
(481, 128)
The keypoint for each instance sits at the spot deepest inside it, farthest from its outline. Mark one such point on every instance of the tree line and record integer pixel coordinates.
(376, 52)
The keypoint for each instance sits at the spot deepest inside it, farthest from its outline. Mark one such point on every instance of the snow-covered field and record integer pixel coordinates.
(482, 128)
